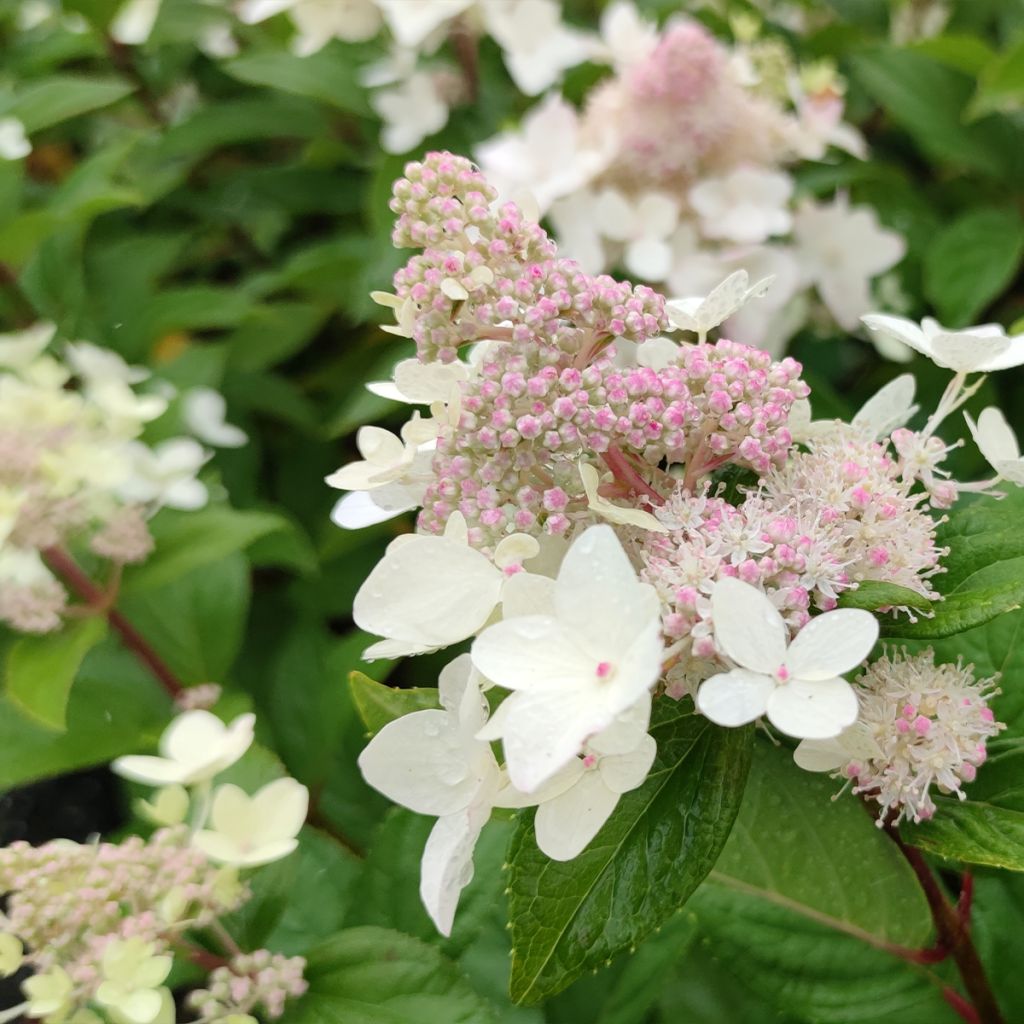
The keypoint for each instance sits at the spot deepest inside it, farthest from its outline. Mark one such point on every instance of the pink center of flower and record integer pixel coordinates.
(590, 761)
(604, 669)
(782, 674)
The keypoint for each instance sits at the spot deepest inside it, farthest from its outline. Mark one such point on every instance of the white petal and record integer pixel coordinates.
(614, 215)
(813, 710)
(526, 593)
(153, 771)
(358, 509)
(649, 258)
(995, 437)
(431, 590)
(900, 328)
(748, 627)
(565, 825)
(734, 698)
(832, 644)
(821, 755)
(889, 408)
(966, 351)
(134, 22)
(532, 652)
(624, 772)
(421, 762)
(447, 864)
(626, 732)
(280, 808)
(203, 410)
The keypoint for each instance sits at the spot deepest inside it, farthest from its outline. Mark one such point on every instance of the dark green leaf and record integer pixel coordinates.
(974, 832)
(48, 101)
(871, 595)
(656, 848)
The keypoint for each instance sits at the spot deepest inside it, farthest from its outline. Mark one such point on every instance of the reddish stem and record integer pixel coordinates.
(617, 462)
(98, 600)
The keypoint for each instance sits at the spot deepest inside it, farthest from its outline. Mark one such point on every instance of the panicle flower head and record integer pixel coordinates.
(260, 980)
(921, 726)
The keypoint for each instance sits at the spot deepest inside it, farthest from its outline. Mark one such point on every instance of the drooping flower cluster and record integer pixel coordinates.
(74, 469)
(675, 170)
(920, 727)
(101, 922)
(609, 516)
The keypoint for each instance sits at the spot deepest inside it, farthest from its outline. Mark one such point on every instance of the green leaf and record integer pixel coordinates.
(48, 101)
(971, 262)
(649, 857)
(974, 832)
(41, 670)
(962, 52)
(376, 976)
(792, 845)
(186, 541)
(328, 76)
(379, 704)
(997, 926)
(927, 100)
(871, 595)
(1001, 83)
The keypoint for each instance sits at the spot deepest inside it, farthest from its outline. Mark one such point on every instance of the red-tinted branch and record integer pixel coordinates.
(64, 566)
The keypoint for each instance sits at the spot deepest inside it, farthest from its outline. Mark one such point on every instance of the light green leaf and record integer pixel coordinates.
(873, 594)
(186, 541)
(328, 76)
(1001, 83)
(375, 976)
(971, 261)
(652, 853)
(974, 832)
(40, 670)
(48, 101)
(962, 52)
(379, 704)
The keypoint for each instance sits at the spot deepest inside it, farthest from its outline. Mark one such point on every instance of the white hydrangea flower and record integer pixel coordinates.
(431, 762)
(20, 349)
(97, 365)
(574, 671)
(746, 205)
(702, 314)
(998, 443)
(430, 592)
(134, 21)
(166, 474)
(411, 111)
(194, 747)
(841, 250)
(547, 156)
(133, 974)
(799, 686)
(412, 23)
(169, 806)
(248, 831)
(14, 143)
(49, 994)
(644, 226)
(417, 383)
(203, 411)
(890, 407)
(582, 795)
(980, 349)
(317, 22)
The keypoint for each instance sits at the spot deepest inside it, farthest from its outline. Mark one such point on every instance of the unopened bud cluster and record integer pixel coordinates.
(253, 982)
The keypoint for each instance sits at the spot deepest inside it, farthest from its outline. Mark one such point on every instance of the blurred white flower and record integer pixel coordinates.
(49, 994)
(747, 205)
(132, 974)
(20, 349)
(578, 235)
(546, 157)
(799, 686)
(412, 23)
(169, 806)
(194, 747)
(572, 672)
(627, 38)
(203, 411)
(14, 143)
(980, 349)
(166, 474)
(841, 250)
(218, 41)
(998, 443)
(644, 226)
(317, 22)
(134, 21)
(411, 111)
(248, 831)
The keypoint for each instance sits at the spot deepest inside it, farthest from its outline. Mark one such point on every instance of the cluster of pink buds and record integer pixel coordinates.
(255, 981)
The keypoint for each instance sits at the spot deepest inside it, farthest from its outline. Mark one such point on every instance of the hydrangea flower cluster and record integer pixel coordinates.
(75, 470)
(611, 517)
(675, 170)
(100, 923)
(920, 726)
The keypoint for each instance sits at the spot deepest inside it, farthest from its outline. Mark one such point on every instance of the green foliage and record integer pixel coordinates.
(659, 843)
(379, 704)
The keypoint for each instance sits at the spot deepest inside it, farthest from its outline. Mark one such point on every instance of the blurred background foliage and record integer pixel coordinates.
(222, 221)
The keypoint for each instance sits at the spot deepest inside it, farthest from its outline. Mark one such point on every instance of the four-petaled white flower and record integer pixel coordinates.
(132, 975)
(998, 443)
(574, 671)
(840, 251)
(701, 314)
(980, 349)
(643, 226)
(431, 762)
(194, 747)
(799, 686)
(747, 205)
(166, 474)
(430, 592)
(580, 798)
(248, 831)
